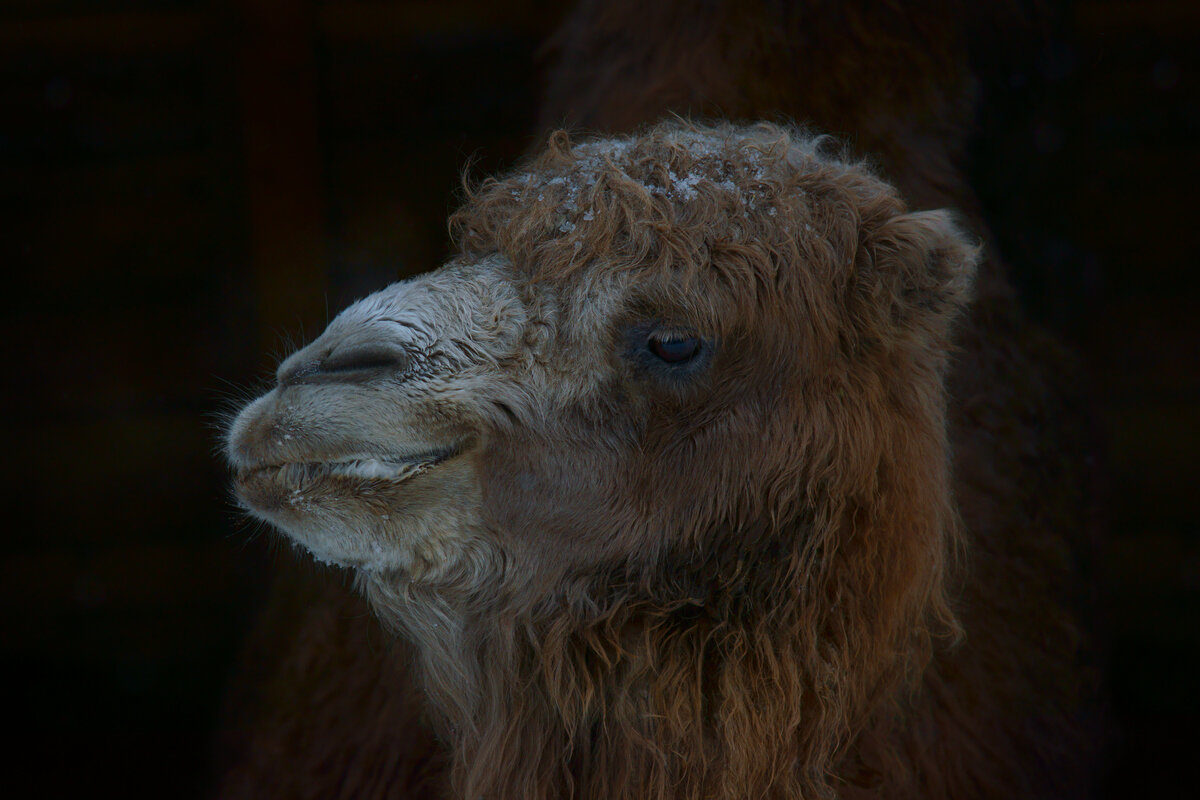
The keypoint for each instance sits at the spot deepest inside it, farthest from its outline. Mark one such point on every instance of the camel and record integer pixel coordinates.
(660, 488)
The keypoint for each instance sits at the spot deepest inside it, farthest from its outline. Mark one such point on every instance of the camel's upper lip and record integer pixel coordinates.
(366, 466)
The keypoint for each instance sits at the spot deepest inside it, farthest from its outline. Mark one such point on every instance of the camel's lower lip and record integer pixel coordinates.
(392, 469)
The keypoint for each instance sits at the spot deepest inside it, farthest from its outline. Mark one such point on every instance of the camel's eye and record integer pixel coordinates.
(674, 350)
(666, 353)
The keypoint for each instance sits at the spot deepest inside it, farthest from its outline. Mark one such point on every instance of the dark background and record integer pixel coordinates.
(185, 185)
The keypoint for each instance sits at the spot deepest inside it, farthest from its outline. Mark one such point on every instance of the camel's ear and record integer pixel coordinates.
(928, 264)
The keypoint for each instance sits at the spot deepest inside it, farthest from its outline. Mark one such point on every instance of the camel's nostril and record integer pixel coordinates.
(362, 360)
(349, 365)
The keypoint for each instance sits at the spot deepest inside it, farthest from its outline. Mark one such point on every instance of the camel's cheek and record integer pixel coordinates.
(430, 524)
(554, 502)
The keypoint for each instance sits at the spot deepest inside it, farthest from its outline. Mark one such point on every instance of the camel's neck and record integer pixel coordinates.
(636, 698)
(733, 677)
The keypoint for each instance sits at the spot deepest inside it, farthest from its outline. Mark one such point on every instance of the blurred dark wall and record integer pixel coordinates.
(1087, 161)
(188, 185)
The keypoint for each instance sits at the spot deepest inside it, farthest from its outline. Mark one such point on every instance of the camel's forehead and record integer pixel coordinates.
(668, 201)
(692, 217)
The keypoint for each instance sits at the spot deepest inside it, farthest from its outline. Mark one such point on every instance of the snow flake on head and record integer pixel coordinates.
(592, 159)
(717, 164)
(685, 187)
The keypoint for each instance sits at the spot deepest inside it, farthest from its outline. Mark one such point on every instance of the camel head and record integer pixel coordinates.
(682, 363)
(644, 343)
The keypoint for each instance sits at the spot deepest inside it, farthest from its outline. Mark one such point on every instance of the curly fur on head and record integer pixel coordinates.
(793, 578)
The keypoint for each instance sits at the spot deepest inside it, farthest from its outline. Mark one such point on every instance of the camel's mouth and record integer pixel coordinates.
(263, 486)
(366, 467)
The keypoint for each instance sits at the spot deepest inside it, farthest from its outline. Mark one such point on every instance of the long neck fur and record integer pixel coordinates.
(723, 679)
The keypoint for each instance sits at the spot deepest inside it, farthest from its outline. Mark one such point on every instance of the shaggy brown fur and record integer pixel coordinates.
(652, 682)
